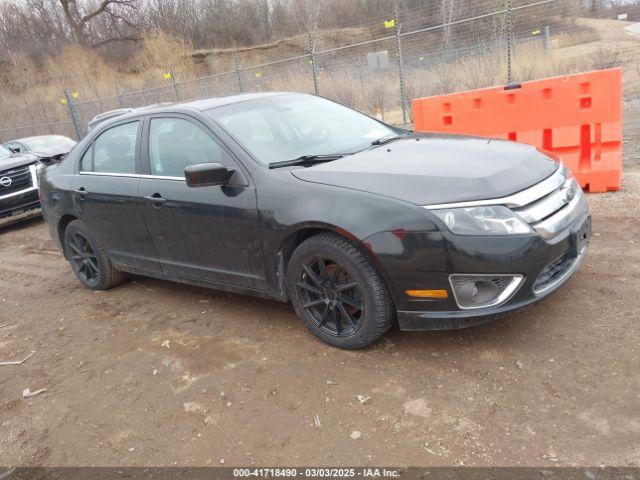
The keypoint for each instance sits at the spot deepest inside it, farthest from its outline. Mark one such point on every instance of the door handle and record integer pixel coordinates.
(156, 200)
(81, 192)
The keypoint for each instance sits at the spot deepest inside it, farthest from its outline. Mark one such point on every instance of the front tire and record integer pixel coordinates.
(338, 293)
(88, 258)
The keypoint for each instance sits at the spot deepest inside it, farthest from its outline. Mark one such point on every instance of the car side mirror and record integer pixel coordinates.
(14, 149)
(207, 174)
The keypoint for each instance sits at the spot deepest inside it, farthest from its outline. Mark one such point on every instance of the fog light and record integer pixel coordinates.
(468, 291)
(481, 291)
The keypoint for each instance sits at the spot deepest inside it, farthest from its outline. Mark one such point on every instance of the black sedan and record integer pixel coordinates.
(48, 148)
(294, 197)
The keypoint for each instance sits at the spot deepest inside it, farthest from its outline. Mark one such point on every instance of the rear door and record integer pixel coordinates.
(106, 195)
(209, 233)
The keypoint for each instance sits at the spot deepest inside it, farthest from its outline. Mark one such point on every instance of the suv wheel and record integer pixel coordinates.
(88, 258)
(337, 293)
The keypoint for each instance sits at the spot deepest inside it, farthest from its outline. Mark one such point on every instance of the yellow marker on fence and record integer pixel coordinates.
(75, 94)
(536, 32)
(258, 74)
(389, 23)
(63, 101)
(167, 75)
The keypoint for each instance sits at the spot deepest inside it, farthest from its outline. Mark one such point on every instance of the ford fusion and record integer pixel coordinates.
(294, 197)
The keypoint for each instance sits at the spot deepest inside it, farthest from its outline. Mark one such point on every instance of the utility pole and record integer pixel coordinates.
(396, 21)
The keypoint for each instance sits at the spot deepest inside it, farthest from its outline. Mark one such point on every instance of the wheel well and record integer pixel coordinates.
(295, 239)
(62, 226)
(284, 254)
(291, 243)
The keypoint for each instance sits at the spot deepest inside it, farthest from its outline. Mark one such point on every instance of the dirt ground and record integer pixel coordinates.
(155, 374)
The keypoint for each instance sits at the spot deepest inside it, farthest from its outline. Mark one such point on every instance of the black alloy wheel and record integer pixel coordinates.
(331, 297)
(88, 258)
(338, 293)
(83, 259)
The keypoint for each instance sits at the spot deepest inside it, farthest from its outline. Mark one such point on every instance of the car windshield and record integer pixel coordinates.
(286, 127)
(49, 142)
(4, 152)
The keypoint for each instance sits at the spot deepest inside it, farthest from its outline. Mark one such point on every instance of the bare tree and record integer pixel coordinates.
(447, 9)
(307, 14)
(80, 19)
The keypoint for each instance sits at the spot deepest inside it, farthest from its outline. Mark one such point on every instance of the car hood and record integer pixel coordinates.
(17, 160)
(50, 152)
(433, 169)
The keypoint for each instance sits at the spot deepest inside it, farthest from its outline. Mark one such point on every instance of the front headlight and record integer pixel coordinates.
(484, 220)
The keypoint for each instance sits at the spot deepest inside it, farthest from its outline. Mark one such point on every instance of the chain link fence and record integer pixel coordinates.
(391, 61)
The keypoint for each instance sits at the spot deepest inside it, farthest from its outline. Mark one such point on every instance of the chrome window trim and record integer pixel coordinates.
(109, 174)
(19, 192)
(505, 296)
(164, 177)
(519, 199)
(570, 271)
(132, 175)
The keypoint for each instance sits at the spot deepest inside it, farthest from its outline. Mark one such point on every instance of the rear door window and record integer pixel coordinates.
(114, 151)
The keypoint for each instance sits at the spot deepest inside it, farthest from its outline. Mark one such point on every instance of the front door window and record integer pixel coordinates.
(175, 143)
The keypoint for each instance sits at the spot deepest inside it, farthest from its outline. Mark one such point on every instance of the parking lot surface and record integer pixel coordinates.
(156, 373)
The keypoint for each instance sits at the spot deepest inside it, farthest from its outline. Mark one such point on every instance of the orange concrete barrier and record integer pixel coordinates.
(577, 117)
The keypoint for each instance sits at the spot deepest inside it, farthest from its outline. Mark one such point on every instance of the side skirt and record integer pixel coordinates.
(271, 295)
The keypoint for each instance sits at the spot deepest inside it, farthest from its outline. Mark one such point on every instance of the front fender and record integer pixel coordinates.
(287, 205)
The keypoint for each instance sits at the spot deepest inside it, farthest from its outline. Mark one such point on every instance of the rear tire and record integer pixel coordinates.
(88, 258)
(338, 293)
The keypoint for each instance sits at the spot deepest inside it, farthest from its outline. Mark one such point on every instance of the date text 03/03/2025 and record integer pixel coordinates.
(316, 472)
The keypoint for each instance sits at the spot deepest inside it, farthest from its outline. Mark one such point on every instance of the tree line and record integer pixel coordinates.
(38, 27)
(115, 27)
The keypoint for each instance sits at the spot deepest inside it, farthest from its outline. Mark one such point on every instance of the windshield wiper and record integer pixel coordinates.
(304, 159)
(382, 141)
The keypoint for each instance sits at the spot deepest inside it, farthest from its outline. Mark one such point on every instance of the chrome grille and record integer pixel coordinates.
(552, 212)
(19, 179)
(547, 205)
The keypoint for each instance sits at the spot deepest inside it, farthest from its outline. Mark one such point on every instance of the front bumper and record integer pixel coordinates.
(448, 320)
(425, 260)
(19, 206)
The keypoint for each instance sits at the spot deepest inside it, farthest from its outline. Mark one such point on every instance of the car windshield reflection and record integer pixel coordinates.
(284, 127)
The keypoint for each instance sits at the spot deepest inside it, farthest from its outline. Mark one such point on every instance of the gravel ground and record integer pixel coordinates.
(154, 373)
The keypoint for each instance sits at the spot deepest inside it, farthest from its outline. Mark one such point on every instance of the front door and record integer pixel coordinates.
(105, 196)
(208, 233)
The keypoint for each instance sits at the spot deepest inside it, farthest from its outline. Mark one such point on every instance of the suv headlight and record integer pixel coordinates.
(39, 168)
(483, 220)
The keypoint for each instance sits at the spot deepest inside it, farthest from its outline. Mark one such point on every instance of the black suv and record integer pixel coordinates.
(295, 197)
(18, 186)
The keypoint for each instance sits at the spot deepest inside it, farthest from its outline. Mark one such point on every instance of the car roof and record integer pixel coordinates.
(200, 105)
(213, 102)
